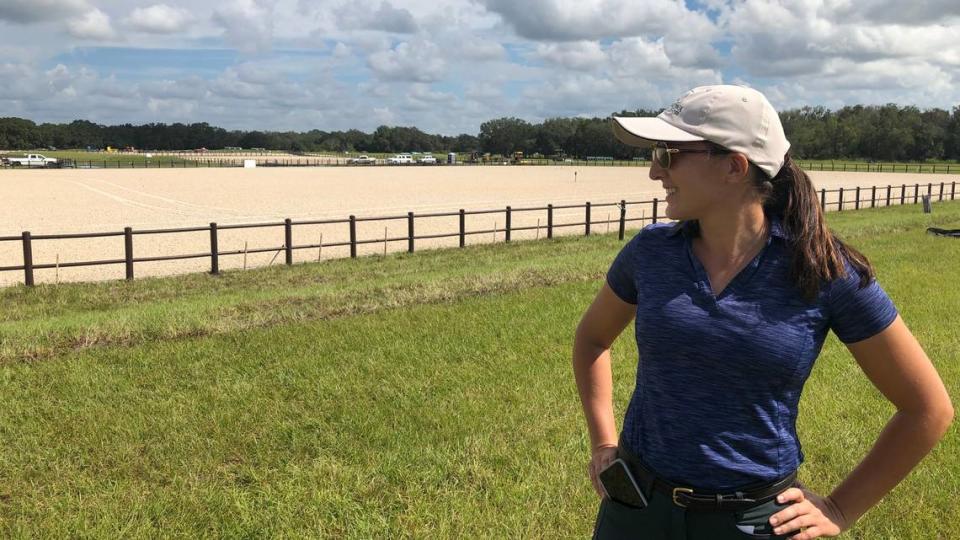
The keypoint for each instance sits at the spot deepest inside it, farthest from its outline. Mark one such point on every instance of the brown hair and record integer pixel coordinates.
(818, 254)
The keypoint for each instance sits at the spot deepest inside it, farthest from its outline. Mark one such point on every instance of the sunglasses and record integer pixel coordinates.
(661, 153)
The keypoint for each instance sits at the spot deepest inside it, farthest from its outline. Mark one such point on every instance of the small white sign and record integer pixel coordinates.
(249, 163)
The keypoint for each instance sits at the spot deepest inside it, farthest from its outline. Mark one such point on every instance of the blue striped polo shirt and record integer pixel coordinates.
(719, 377)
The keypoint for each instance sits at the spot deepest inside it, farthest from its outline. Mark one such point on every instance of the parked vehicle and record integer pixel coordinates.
(30, 160)
(362, 160)
(400, 159)
(428, 159)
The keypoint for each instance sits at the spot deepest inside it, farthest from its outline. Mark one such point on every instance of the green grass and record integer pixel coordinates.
(424, 395)
(852, 165)
(98, 159)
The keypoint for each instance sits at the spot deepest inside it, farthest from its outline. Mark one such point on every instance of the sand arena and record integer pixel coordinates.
(74, 201)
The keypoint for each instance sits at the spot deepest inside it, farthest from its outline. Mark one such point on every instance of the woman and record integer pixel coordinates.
(732, 306)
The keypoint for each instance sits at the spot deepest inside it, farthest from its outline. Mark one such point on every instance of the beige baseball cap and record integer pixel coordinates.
(735, 117)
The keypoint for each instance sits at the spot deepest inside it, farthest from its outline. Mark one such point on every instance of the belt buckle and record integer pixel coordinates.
(677, 491)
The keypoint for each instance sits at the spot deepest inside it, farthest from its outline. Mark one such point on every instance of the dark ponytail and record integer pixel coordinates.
(818, 254)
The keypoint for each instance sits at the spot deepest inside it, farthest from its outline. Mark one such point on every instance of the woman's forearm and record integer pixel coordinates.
(591, 369)
(905, 440)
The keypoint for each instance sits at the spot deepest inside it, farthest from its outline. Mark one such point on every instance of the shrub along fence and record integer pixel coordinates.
(845, 197)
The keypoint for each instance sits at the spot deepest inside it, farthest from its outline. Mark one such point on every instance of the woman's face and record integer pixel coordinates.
(694, 181)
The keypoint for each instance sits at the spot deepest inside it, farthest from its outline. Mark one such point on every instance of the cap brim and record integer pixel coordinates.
(648, 130)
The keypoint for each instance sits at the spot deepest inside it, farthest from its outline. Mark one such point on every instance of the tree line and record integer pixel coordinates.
(883, 133)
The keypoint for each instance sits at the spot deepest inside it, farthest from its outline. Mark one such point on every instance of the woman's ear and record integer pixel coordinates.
(738, 167)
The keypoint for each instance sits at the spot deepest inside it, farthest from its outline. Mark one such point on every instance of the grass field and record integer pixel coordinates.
(99, 158)
(424, 395)
(843, 165)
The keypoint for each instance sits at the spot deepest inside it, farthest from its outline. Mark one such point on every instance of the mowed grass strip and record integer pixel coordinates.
(442, 415)
(47, 320)
(97, 159)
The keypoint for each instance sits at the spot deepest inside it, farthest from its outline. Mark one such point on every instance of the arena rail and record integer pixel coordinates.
(879, 196)
(192, 161)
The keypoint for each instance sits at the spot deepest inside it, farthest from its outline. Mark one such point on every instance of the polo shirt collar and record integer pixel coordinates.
(689, 228)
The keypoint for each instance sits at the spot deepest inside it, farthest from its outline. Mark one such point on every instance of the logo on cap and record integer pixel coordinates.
(676, 108)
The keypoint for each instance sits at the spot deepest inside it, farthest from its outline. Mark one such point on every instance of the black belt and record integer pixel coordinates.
(693, 499)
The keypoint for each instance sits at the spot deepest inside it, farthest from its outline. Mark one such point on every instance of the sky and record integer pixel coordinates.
(446, 66)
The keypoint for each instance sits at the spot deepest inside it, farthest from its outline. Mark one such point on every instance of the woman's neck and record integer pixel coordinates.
(734, 235)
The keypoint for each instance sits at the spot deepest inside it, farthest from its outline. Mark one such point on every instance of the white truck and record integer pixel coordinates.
(400, 159)
(30, 160)
(362, 160)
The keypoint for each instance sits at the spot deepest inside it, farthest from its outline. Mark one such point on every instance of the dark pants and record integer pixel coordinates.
(663, 520)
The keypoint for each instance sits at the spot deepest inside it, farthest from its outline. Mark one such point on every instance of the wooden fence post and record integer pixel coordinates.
(623, 217)
(549, 221)
(888, 194)
(823, 199)
(941, 191)
(463, 228)
(410, 234)
(916, 193)
(953, 189)
(509, 212)
(655, 201)
(873, 196)
(856, 205)
(288, 240)
(215, 251)
(841, 200)
(587, 231)
(128, 251)
(353, 237)
(27, 259)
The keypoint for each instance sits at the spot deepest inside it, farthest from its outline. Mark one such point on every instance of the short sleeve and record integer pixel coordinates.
(622, 274)
(855, 313)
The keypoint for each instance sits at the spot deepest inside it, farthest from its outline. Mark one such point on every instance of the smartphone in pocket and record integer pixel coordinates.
(619, 485)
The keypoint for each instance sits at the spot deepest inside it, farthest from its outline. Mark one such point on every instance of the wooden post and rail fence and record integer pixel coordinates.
(887, 195)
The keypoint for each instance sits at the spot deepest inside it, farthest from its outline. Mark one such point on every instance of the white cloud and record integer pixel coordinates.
(384, 116)
(922, 12)
(360, 14)
(93, 25)
(480, 50)
(418, 61)
(159, 19)
(422, 93)
(569, 20)
(340, 50)
(247, 24)
(578, 55)
(193, 88)
(34, 11)
(483, 92)
(795, 40)
(330, 64)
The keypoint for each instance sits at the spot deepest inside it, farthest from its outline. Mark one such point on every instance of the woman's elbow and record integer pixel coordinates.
(938, 415)
(945, 416)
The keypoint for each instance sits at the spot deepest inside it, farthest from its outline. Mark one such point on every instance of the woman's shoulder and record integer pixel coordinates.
(655, 238)
(660, 232)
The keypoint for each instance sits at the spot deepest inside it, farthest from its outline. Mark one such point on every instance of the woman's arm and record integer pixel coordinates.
(898, 367)
(603, 321)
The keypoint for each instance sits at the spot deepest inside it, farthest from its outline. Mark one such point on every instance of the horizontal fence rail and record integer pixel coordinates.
(199, 160)
(845, 199)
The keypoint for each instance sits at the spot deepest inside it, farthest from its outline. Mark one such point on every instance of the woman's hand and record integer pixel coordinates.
(809, 515)
(602, 456)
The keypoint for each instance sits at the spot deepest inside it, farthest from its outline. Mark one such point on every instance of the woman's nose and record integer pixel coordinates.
(656, 171)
